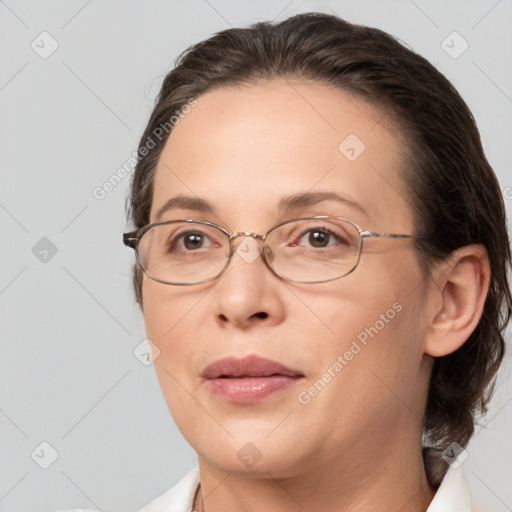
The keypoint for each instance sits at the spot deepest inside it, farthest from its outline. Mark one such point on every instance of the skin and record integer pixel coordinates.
(356, 443)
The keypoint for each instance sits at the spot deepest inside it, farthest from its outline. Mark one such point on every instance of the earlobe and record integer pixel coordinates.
(462, 285)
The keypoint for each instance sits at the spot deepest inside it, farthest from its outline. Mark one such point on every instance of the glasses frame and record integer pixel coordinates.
(132, 239)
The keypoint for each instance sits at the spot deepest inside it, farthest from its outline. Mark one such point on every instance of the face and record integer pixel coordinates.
(353, 347)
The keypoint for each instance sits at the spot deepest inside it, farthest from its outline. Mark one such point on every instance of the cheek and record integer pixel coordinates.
(171, 326)
(366, 336)
(368, 367)
(167, 310)
(176, 322)
(374, 318)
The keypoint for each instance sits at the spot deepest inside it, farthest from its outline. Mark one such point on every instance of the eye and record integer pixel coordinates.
(193, 241)
(319, 238)
(190, 241)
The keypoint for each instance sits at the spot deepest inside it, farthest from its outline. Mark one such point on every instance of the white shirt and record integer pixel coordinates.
(452, 496)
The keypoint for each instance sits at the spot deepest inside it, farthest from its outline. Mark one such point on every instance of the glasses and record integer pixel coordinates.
(306, 250)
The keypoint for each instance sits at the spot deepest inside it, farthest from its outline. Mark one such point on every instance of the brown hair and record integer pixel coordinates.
(455, 195)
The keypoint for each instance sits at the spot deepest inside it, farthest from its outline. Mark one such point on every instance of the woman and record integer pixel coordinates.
(322, 267)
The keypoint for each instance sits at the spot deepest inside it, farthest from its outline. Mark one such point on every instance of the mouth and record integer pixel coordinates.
(249, 379)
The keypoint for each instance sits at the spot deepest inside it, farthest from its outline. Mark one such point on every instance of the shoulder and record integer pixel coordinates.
(179, 498)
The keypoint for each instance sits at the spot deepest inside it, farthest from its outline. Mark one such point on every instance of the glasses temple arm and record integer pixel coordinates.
(371, 234)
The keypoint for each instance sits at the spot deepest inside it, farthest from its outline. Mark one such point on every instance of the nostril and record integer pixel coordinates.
(261, 314)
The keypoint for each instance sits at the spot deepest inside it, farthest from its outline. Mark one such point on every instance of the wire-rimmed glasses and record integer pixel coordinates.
(305, 250)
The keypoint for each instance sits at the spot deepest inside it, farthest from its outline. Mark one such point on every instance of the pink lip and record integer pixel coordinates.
(249, 379)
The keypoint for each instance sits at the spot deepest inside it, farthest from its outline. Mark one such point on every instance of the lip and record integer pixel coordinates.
(248, 379)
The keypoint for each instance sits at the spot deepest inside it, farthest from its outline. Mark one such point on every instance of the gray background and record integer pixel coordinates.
(69, 325)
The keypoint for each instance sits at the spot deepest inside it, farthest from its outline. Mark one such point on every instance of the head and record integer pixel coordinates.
(250, 116)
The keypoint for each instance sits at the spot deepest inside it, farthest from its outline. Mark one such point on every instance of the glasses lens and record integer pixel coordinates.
(183, 252)
(314, 250)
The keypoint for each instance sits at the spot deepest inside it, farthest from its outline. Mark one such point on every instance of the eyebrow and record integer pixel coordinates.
(186, 203)
(296, 201)
(285, 205)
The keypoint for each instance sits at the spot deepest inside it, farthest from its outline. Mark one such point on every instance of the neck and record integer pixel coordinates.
(356, 481)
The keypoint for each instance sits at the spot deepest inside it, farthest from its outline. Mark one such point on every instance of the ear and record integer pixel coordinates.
(460, 289)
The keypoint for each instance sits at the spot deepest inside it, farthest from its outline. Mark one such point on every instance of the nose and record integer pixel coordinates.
(248, 294)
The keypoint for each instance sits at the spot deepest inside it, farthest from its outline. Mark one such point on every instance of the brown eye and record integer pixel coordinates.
(188, 241)
(318, 238)
(192, 241)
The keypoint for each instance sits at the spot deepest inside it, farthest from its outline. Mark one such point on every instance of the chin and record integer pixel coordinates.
(249, 454)
(253, 463)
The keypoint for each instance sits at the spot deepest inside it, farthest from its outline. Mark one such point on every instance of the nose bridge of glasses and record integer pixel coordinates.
(246, 233)
(247, 253)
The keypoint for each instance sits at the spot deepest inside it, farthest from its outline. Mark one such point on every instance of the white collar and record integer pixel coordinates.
(453, 493)
(452, 496)
(179, 498)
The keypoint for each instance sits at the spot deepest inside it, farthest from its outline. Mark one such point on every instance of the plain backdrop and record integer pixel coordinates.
(77, 82)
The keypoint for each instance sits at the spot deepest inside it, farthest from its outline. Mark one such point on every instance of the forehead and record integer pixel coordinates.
(244, 148)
